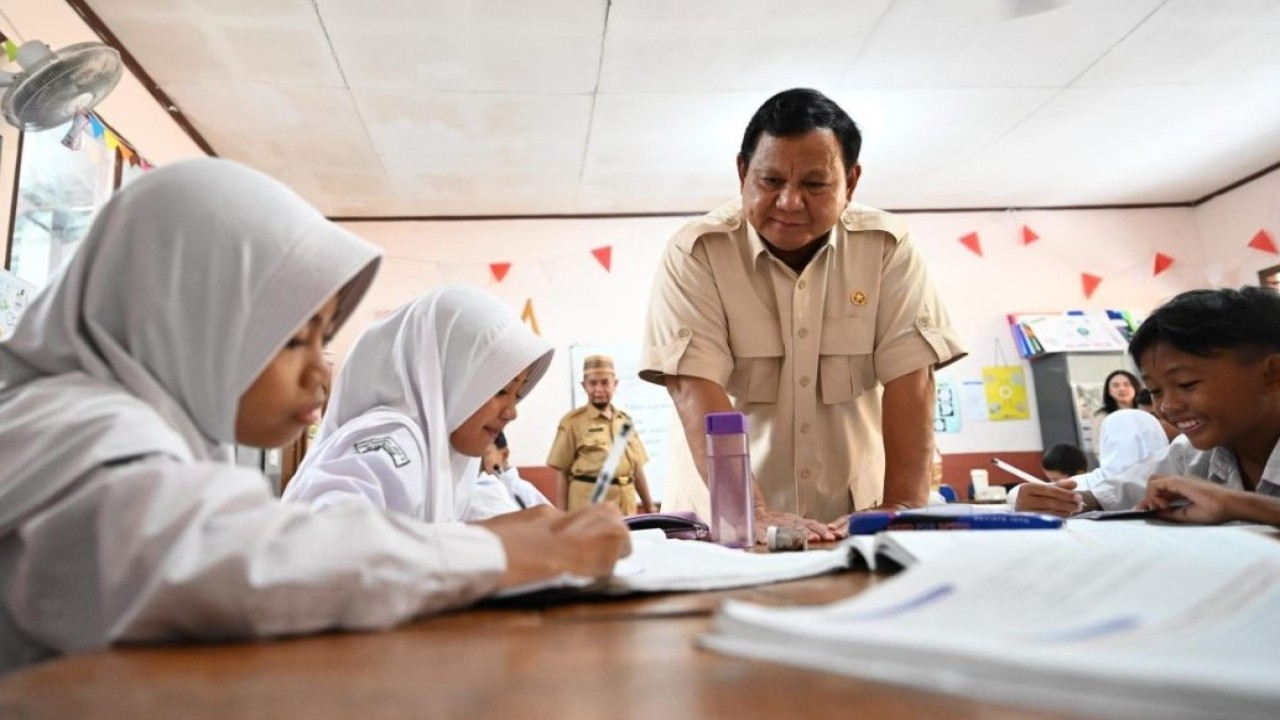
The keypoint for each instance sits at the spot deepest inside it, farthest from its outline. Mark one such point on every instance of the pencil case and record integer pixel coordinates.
(678, 525)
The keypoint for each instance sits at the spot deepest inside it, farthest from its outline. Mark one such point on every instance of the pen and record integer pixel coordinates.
(1020, 473)
(610, 469)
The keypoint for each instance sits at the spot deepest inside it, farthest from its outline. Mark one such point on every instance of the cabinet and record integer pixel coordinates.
(1068, 393)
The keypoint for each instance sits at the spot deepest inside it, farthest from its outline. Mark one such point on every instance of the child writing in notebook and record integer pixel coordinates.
(194, 316)
(1211, 359)
(499, 488)
(423, 393)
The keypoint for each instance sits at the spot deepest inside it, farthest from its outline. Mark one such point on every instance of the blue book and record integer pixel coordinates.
(949, 517)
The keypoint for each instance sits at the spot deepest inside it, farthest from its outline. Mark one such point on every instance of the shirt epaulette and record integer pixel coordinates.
(724, 219)
(857, 218)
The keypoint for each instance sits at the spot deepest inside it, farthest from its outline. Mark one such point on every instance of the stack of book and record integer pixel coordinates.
(1074, 331)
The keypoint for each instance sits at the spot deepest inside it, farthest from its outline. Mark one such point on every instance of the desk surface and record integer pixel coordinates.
(629, 658)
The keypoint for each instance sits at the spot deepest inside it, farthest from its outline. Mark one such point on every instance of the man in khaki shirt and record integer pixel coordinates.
(585, 437)
(813, 316)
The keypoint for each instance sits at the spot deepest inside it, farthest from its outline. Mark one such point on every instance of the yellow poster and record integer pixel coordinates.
(1006, 388)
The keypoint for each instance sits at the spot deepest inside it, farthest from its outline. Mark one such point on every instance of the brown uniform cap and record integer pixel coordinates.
(597, 362)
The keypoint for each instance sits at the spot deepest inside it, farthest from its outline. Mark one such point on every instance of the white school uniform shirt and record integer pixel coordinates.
(1128, 437)
(118, 397)
(503, 493)
(410, 380)
(1217, 465)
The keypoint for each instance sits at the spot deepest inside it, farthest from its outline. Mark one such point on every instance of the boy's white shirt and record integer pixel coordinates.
(428, 366)
(498, 494)
(1128, 438)
(1218, 465)
(99, 545)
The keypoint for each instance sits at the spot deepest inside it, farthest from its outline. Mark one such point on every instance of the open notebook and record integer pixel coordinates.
(1118, 621)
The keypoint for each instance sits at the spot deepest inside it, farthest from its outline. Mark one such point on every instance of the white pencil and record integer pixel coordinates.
(1020, 473)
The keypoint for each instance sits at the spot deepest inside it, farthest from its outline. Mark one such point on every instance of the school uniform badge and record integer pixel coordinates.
(398, 456)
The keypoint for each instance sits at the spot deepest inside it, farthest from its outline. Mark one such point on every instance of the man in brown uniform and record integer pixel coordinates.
(796, 307)
(586, 436)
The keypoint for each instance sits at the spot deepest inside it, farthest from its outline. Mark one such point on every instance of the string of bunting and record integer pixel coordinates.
(498, 271)
(1160, 262)
(97, 129)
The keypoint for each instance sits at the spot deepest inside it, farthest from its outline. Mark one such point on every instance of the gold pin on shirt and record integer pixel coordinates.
(858, 298)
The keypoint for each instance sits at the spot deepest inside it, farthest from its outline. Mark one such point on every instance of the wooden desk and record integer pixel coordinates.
(620, 659)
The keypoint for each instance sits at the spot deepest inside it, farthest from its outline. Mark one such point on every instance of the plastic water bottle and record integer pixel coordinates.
(729, 480)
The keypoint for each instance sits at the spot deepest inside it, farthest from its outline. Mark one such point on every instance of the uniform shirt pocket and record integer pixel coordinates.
(757, 359)
(845, 368)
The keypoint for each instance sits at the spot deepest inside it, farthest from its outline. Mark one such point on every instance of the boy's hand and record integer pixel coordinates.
(1057, 498)
(1205, 502)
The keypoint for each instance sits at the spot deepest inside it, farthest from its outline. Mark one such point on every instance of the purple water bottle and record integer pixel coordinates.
(729, 480)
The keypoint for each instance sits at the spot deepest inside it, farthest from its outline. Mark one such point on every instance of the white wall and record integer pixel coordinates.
(576, 301)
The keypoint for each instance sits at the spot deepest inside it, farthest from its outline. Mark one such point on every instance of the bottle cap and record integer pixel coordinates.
(786, 538)
(726, 423)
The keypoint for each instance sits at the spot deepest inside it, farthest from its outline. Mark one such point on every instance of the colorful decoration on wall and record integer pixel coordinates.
(99, 131)
(972, 242)
(499, 270)
(1162, 263)
(605, 256)
(1090, 283)
(1028, 235)
(528, 316)
(1264, 242)
(946, 408)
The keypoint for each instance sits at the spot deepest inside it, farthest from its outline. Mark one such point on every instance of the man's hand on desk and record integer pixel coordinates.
(818, 532)
(586, 542)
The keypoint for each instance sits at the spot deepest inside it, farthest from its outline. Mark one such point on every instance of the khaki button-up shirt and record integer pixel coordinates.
(583, 441)
(803, 355)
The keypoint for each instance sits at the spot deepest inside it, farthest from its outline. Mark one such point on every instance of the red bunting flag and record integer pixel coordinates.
(1028, 235)
(1162, 263)
(1090, 283)
(604, 255)
(971, 241)
(499, 270)
(1262, 241)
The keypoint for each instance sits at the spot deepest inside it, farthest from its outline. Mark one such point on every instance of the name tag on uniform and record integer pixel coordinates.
(398, 456)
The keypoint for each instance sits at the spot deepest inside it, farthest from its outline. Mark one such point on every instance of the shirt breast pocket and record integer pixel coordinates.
(757, 360)
(845, 366)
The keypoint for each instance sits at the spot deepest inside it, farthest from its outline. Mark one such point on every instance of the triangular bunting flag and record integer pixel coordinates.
(1028, 235)
(1262, 241)
(604, 255)
(1162, 263)
(528, 316)
(10, 50)
(1090, 283)
(126, 154)
(95, 126)
(971, 241)
(499, 270)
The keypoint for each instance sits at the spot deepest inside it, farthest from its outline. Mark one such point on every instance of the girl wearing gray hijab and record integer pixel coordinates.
(194, 316)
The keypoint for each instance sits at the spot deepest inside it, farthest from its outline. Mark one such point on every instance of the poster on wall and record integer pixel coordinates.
(1006, 391)
(648, 405)
(1088, 400)
(973, 400)
(946, 408)
(15, 294)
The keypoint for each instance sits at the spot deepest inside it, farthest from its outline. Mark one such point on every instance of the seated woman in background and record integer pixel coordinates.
(421, 396)
(194, 316)
(1119, 391)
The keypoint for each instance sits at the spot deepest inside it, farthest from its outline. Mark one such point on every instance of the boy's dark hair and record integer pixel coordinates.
(1109, 404)
(1202, 322)
(1066, 459)
(796, 112)
(500, 441)
(1143, 398)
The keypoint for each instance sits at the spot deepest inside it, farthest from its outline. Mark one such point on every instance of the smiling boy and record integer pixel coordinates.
(1211, 359)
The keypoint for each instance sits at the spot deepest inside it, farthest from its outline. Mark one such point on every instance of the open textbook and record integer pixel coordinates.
(1121, 620)
(660, 564)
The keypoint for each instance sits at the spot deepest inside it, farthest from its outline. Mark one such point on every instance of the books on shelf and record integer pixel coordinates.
(1074, 331)
(1109, 620)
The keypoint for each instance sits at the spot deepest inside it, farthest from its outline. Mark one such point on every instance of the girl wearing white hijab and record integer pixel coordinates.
(421, 396)
(194, 316)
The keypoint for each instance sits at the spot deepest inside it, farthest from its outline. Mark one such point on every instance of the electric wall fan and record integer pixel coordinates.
(53, 86)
